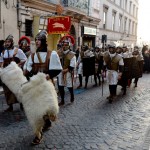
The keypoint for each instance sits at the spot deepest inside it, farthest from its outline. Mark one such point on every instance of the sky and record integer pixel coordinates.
(144, 20)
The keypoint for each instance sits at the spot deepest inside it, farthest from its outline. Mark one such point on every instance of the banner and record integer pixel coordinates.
(59, 25)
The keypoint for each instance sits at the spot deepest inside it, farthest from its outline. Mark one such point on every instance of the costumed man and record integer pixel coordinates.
(119, 50)
(24, 44)
(98, 65)
(85, 65)
(10, 54)
(65, 78)
(146, 57)
(79, 67)
(139, 66)
(126, 53)
(44, 61)
(126, 75)
(114, 64)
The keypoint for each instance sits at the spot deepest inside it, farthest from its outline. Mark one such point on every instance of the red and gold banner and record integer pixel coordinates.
(59, 25)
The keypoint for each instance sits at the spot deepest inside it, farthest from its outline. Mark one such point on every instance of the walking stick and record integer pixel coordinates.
(102, 82)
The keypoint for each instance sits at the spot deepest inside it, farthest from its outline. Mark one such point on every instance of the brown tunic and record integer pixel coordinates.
(41, 67)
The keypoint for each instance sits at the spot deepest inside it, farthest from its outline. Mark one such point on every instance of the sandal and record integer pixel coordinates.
(37, 141)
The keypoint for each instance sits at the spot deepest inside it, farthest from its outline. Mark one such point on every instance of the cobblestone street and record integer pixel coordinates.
(90, 123)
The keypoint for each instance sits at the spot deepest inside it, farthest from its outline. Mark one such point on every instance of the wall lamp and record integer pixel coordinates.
(19, 23)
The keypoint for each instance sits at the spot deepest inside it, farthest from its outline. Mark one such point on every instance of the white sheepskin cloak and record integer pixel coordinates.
(12, 76)
(39, 98)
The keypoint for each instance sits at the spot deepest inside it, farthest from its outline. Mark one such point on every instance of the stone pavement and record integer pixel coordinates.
(90, 123)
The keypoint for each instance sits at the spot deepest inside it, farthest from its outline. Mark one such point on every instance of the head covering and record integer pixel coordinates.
(66, 42)
(42, 34)
(10, 37)
(97, 47)
(24, 40)
(135, 52)
(65, 45)
(111, 46)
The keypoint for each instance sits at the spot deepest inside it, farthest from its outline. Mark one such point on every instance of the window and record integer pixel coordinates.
(120, 3)
(133, 27)
(105, 10)
(120, 23)
(133, 10)
(130, 7)
(136, 12)
(113, 21)
(129, 27)
(28, 27)
(125, 24)
(126, 2)
(104, 19)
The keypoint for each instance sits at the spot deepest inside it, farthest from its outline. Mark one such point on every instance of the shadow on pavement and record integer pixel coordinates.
(8, 118)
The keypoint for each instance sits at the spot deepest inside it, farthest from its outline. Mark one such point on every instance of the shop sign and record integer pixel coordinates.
(59, 25)
(89, 31)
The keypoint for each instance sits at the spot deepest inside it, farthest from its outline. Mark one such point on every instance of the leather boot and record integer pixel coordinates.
(71, 94)
(47, 125)
(62, 95)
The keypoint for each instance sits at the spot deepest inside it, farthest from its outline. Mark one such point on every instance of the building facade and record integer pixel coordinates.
(83, 22)
(90, 19)
(119, 21)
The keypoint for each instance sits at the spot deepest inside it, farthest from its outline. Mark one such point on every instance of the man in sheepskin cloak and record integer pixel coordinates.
(65, 78)
(10, 54)
(44, 61)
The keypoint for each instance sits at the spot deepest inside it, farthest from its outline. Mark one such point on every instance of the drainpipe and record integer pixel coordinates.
(18, 13)
(0, 15)
(19, 23)
(3, 29)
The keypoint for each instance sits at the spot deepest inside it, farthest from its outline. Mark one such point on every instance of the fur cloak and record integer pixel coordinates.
(39, 99)
(12, 76)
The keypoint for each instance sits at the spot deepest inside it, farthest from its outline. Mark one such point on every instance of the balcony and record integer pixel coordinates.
(79, 6)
